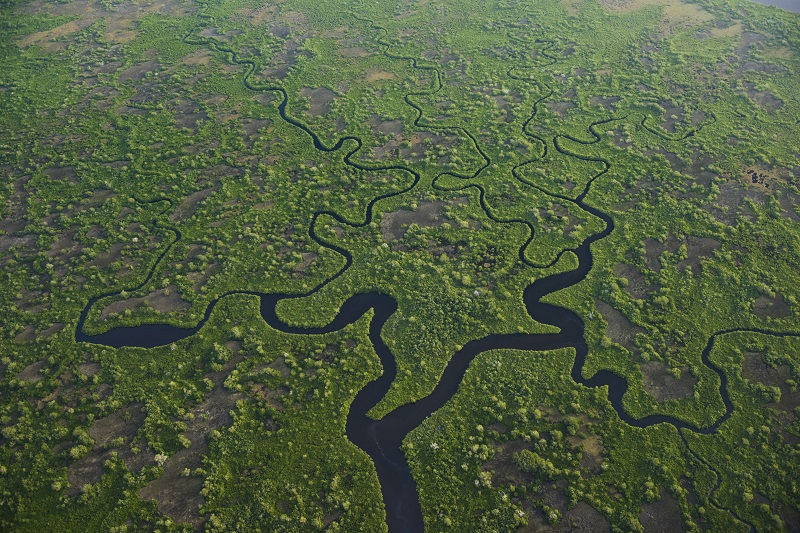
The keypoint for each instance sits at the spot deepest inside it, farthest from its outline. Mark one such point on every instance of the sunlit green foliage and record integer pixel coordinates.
(143, 160)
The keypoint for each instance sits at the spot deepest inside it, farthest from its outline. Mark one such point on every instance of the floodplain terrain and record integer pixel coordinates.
(445, 264)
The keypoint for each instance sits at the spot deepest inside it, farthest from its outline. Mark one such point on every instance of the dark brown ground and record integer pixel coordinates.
(177, 494)
(122, 424)
(592, 447)
(619, 328)
(654, 249)
(320, 100)
(663, 516)
(189, 204)
(162, 300)
(582, 518)
(427, 214)
(505, 472)
(29, 333)
(31, 372)
(756, 370)
(637, 287)
(698, 248)
(776, 307)
(660, 382)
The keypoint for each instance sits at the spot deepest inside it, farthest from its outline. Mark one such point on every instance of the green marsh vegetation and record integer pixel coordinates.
(144, 156)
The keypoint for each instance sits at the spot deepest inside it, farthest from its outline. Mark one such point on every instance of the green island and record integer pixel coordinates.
(399, 265)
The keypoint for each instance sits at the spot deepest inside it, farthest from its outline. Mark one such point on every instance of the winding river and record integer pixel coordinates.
(382, 439)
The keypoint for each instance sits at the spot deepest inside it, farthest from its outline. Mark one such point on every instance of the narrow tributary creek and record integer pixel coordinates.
(382, 439)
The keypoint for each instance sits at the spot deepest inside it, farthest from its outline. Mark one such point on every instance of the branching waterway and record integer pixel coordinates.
(382, 439)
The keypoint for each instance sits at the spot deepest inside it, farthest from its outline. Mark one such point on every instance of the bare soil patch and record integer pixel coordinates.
(354, 52)
(29, 333)
(165, 300)
(608, 102)
(561, 108)
(638, 287)
(663, 516)
(189, 204)
(137, 73)
(215, 173)
(729, 203)
(776, 307)
(661, 383)
(27, 300)
(19, 198)
(698, 248)
(673, 116)
(48, 39)
(188, 114)
(12, 224)
(764, 98)
(619, 328)
(262, 14)
(268, 396)
(113, 434)
(386, 127)
(582, 518)
(698, 117)
(252, 126)
(421, 142)
(677, 14)
(553, 495)
(122, 423)
(178, 495)
(654, 249)
(58, 326)
(765, 180)
(89, 369)
(86, 471)
(200, 57)
(592, 447)
(320, 100)
(105, 259)
(280, 365)
(31, 373)
(98, 197)
(128, 110)
(199, 279)
(504, 471)
(8, 242)
(62, 174)
(726, 31)
(756, 369)
(427, 215)
(307, 259)
(65, 248)
(374, 75)
(790, 518)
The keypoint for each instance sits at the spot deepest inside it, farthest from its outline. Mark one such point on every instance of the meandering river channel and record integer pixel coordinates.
(382, 439)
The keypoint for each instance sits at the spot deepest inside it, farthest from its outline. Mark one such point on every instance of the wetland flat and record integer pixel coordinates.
(413, 265)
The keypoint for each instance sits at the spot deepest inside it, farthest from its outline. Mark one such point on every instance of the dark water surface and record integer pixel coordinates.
(382, 439)
(788, 5)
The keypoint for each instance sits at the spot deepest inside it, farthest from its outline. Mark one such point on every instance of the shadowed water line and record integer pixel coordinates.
(382, 439)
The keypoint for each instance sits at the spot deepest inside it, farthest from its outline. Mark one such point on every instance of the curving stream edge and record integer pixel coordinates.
(382, 439)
